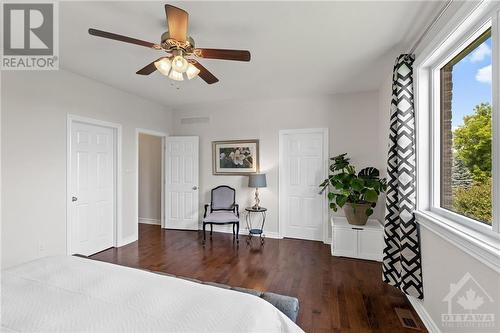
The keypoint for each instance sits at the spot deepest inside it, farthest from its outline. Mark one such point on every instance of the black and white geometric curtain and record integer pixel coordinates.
(401, 264)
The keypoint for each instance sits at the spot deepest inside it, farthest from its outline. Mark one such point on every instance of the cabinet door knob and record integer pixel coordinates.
(73, 199)
(195, 188)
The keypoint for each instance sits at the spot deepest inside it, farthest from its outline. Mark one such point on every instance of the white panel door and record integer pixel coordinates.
(182, 182)
(92, 188)
(303, 212)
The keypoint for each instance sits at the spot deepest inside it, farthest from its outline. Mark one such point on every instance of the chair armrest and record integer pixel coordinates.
(237, 209)
(206, 209)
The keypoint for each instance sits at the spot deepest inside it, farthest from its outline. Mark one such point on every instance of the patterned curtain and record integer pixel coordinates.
(401, 265)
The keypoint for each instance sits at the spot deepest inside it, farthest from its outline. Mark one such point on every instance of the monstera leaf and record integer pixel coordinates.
(369, 173)
(357, 184)
(370, 195)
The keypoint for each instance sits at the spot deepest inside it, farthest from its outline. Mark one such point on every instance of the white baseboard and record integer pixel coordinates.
(127, 240)
(274, 235)
(149, 221)
(244, 232)
(424, 315)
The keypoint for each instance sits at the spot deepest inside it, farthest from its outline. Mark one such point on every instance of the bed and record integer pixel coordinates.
(72, 294)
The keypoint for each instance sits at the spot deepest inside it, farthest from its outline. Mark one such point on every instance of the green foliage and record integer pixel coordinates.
(471, 172)
(460, 175)
(345, 186)
(475, 201)
(472, 142)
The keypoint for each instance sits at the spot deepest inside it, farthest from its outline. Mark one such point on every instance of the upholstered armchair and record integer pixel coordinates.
(222, 210)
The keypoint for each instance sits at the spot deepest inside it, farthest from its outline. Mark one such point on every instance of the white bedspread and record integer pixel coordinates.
(71, 294)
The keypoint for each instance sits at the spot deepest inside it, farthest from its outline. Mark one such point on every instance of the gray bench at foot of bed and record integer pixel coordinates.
(286, 304)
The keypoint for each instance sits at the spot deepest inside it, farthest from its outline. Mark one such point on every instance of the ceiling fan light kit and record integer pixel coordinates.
(180, 62)
(177, 70)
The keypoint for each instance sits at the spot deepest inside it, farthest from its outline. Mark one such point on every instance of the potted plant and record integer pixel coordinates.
(357, 193)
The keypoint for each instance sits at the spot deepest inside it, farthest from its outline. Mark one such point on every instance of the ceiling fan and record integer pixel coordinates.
(180, 62)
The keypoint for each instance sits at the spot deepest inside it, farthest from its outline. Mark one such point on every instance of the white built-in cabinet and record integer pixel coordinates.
(362, 242)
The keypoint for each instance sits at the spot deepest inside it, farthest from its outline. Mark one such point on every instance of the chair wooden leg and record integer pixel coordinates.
(211, 229)
(204, 236)
(233, 228)
(237, 232)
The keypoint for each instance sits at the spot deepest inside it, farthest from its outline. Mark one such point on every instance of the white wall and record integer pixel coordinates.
(35, 105)
(150, 178)
(443, 263)
(352, 120)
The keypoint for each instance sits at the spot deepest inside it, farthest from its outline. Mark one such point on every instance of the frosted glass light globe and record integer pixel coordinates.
(174, 75)
(179, 64)
(192, 71)
(163, 66)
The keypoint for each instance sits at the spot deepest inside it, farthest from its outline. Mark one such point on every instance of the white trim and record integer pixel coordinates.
(426, 318)
(445, 37)
(146, 220)
(484, 248)
(465, 221)
(303, 130)
(117, 221)
(127, 240)
(495, 121)
(163, 136)
(445, 56)
(470, 20)
(281, 163)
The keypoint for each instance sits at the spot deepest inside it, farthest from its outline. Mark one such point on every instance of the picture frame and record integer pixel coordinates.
(235, 157)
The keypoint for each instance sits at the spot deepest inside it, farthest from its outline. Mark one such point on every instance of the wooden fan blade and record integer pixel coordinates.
(110, 35)
(205, 73)
(238, 55)
(148, 69)
(177, 22)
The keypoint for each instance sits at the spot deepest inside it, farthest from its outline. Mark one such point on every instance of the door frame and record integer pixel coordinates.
(163, 136)
(117, 181)
(281, 165)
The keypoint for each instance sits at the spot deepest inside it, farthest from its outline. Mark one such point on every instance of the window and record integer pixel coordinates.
(466, 131)
(457, 104)
(457, 99)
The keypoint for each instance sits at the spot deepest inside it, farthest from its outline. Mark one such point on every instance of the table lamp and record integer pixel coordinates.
(257, 180)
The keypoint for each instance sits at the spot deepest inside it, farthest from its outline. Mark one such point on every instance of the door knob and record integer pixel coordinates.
(195, 188)
(73, 199)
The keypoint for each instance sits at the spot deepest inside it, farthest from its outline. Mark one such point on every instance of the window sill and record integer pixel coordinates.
(483, 247)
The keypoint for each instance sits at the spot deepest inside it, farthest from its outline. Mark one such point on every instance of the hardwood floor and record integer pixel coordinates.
(335, 294)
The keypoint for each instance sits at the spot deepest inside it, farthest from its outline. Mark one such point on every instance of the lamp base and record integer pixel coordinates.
(257, 200)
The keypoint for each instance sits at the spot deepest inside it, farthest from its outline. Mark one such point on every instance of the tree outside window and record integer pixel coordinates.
(466, 132)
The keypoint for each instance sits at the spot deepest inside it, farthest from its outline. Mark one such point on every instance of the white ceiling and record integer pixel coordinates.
(298, 48)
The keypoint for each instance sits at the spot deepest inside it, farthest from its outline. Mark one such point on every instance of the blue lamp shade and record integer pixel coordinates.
(257, 180)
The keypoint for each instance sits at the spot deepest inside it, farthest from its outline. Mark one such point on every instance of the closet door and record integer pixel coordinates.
(92, 199)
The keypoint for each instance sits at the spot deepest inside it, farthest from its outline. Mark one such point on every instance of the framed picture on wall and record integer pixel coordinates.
(235, 157)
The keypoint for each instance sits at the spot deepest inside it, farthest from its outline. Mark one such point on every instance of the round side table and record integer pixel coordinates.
(254, 231)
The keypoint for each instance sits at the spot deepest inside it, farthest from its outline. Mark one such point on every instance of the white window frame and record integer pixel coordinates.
(478, 239)
(435, 69)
